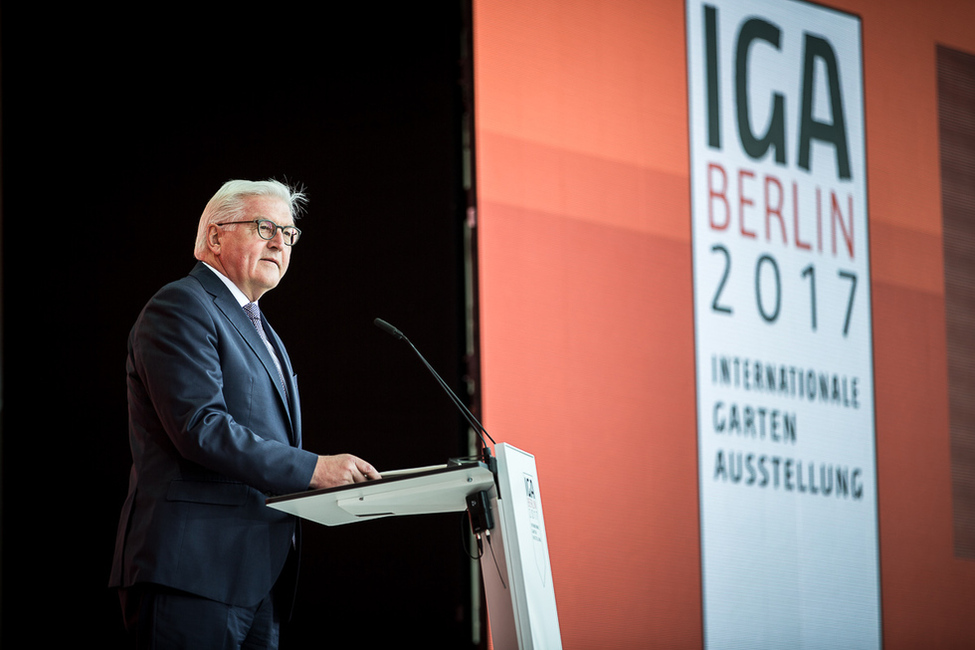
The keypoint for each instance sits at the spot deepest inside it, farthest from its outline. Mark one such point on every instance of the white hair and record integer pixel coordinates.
(228, 205)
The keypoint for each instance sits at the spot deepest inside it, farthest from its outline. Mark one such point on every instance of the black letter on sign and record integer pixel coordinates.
(755, 147)
(769, 318)
(809, 129)
(711, 55)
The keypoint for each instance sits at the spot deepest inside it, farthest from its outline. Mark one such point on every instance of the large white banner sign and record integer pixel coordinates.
(787, 463)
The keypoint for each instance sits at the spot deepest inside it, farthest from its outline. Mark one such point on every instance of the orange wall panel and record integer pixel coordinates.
(586, 302)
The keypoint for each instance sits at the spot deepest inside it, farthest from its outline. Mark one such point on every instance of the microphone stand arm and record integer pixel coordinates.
(473, 421)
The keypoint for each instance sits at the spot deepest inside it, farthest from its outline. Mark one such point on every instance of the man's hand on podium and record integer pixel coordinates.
(342, 469)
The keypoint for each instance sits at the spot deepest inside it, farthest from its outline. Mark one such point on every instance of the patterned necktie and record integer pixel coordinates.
(254, 312)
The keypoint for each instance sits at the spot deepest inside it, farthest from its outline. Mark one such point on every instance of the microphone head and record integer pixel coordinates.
(389, 329)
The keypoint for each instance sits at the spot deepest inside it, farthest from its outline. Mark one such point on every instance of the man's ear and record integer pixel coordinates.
(214, 238)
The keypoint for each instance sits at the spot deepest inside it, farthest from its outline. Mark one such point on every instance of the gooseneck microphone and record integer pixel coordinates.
(392, 331)
(481, 431)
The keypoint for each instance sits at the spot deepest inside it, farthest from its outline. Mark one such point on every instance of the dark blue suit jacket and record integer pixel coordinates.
(212, 434)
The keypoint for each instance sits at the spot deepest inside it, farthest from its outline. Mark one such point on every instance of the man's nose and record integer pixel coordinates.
(277, 240)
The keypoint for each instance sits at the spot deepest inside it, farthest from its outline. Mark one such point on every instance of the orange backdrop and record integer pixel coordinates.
(586, 302)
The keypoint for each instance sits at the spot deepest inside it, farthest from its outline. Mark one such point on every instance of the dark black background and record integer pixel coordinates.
(118, 125)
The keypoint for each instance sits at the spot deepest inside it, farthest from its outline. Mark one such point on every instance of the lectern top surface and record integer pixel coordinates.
(389, 476)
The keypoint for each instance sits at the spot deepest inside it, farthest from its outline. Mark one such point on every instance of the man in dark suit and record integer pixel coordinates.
(215, 427)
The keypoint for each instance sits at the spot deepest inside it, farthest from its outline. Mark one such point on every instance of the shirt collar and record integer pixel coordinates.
(238, 294)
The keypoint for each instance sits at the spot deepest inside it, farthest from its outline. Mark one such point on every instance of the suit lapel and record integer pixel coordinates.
(294, 408)
(228, 306)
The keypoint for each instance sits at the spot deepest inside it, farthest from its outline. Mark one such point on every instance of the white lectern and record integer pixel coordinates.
(514, 561)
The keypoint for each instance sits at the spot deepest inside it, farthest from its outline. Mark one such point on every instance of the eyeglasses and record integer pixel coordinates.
(267, 229)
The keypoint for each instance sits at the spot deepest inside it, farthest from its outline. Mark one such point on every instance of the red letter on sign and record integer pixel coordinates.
(774, 208)
(836, 217)
(720, 195)
(742, 202)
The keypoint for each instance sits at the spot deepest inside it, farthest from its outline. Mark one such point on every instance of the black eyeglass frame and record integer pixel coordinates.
(288, 240)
